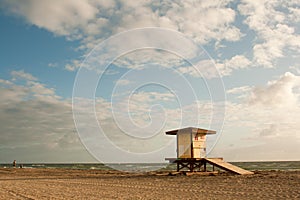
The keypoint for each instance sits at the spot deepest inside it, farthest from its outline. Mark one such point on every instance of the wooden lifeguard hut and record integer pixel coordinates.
(191, 152)
(191, 142)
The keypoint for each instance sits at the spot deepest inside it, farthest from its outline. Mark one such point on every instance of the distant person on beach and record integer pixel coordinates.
(14, 163)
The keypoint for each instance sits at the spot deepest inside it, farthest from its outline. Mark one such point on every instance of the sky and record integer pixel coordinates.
(101, 81)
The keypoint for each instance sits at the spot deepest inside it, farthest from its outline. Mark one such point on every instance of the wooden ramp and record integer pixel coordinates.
(220, 163)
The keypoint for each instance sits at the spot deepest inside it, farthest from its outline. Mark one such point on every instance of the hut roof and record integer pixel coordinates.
(192, 130)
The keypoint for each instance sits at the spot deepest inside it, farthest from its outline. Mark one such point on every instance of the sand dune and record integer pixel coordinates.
(96, 184)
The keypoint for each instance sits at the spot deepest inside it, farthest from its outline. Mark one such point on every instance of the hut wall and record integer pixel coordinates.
(199, 145)
(184, 145)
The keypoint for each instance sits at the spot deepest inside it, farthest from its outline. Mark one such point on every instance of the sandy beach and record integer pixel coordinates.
(97, 184)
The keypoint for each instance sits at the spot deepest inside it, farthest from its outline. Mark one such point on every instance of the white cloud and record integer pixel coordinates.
(22, 75)
(295, 69)
(59, 17)
(34, 119)
(123, 82)
(5, 82)
(73, 66)
(201, 20)
(204, 20)
(92, 21)
(294, 14)
(275, 30)
(53, 65)
(211, 69)
(127, 123)
(204, 68)
(45, 124)
(140, 58)
(282, 92)
(264, 122)
(271, 131)
(239, 90)
(236, 62)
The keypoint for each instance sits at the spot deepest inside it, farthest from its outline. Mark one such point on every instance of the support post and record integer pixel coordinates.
(191, 166)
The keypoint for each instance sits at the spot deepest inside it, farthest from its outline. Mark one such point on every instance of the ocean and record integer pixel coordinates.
(270, 165)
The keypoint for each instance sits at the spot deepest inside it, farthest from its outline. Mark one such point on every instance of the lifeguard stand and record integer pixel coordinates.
(191, 152)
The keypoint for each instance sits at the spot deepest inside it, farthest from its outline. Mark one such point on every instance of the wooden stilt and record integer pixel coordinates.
(193, 165)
